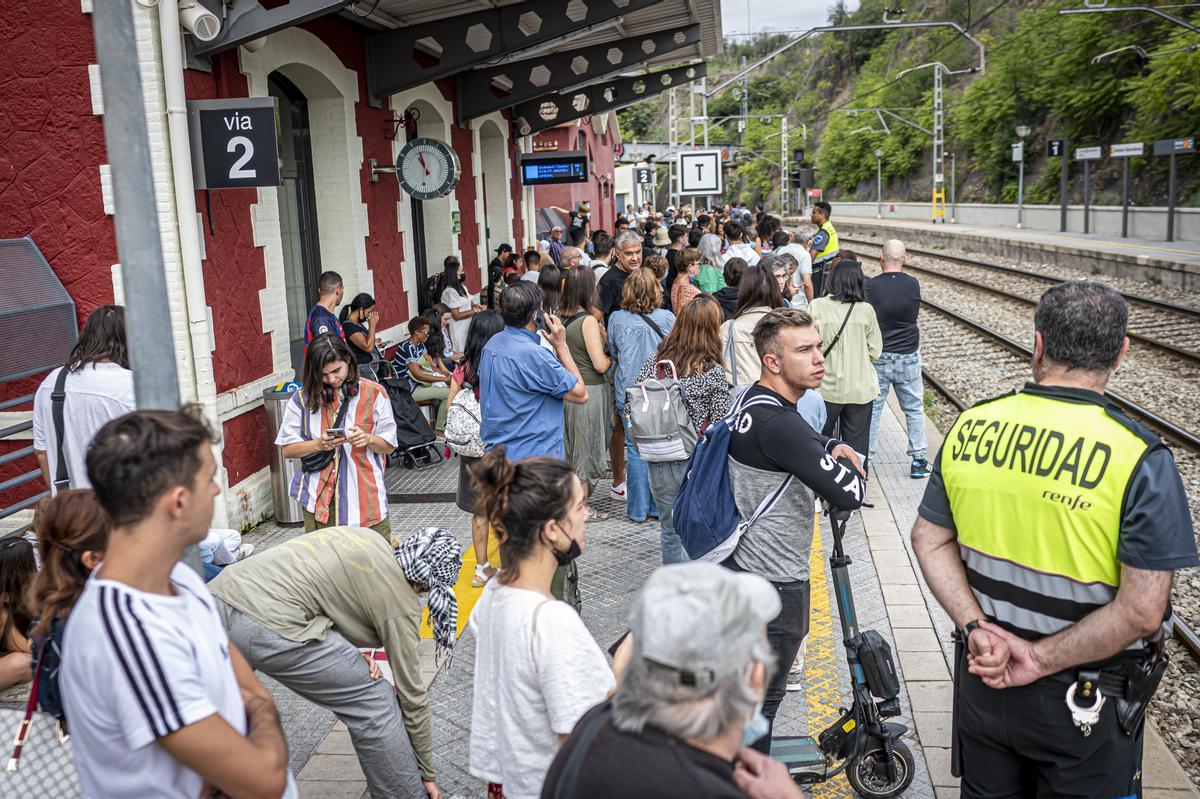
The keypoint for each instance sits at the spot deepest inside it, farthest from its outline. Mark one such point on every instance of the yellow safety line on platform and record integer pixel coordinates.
(822, 689)
(467, 594)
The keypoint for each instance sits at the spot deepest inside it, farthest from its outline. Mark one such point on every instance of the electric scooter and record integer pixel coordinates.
(877, 763)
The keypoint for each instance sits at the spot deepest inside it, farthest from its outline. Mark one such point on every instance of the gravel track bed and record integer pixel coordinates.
(976, 368)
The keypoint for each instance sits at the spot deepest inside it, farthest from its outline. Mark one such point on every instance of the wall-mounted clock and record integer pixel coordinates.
(427, 169)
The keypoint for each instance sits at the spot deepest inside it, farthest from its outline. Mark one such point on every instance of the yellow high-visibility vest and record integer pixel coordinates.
(1036, 482)
(831, 246)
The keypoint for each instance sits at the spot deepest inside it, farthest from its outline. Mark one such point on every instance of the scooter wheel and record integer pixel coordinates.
(868, 772)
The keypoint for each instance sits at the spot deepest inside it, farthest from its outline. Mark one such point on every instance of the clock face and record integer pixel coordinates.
(427, 169)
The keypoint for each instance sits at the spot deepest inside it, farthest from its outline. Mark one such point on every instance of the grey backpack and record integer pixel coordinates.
(657, 418)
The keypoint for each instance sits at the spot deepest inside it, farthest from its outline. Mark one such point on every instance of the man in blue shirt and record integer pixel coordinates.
(523, 383)
(322, 318)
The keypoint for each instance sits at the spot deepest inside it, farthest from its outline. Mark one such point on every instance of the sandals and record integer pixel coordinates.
(596, 515)
(482, 575)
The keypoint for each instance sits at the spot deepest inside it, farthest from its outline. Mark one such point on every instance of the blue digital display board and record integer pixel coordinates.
(543, 169)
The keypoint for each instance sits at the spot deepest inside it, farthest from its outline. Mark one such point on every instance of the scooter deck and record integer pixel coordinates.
(802, 755)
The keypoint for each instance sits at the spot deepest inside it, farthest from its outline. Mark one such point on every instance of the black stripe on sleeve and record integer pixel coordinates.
(158, 669)
(139, 660)
(155, 727)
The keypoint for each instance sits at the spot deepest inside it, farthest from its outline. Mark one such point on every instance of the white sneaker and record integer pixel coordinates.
(244, 551)
(795, 678)
(618, 492)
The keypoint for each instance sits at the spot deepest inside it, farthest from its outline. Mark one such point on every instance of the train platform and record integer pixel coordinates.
(1172, 264)
(619, 555)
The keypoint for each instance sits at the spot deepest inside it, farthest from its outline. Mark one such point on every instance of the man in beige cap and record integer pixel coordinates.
(691, 678)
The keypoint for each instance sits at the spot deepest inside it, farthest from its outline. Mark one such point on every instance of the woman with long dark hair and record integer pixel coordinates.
(693, 349)
(98, 386)
(758, 294)
(337, 411)
(852, 341)
(453, 293)
(359, 322)
(485, 325)
(537, 668)
(587, 427)
(17, 570)
(684, 289)
(72, 537)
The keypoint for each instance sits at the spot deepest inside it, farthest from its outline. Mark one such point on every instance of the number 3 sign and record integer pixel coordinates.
(233, 143)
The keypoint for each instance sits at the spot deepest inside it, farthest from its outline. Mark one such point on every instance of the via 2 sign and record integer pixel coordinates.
(234, 145)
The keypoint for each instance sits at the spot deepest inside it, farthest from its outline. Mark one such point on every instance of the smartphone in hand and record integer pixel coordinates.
(336, 432)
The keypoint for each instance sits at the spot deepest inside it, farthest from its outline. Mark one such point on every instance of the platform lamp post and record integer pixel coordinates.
(1022, 132)
(878, 184)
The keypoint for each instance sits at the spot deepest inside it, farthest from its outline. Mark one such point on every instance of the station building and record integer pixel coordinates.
(352, 82)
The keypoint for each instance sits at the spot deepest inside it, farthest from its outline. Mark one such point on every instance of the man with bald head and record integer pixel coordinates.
(570, 258)
(896, 297)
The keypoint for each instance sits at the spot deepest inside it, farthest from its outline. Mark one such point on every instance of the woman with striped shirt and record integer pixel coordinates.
(349, 490)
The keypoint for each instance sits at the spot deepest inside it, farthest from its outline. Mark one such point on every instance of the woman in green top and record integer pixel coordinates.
(710, 279)
(587, 427)
(851, 340)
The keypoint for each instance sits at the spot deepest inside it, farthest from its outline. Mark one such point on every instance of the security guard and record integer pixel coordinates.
(1049, 532)
(824, 245)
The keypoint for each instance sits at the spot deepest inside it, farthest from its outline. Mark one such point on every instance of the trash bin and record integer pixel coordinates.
(287, 510)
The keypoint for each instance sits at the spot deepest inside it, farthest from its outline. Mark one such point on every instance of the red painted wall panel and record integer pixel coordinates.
(247, 445)
(51, 149)
(234, 269)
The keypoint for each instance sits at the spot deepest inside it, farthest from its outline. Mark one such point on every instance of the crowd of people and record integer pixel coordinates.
(545, 379)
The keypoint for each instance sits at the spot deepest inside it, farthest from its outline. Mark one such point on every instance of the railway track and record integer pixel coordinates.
(1158, 324)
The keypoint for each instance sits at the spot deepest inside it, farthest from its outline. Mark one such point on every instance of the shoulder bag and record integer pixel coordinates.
(41, 763)
(317, 461)
(58, 398)
(838, 334)
(646, 318)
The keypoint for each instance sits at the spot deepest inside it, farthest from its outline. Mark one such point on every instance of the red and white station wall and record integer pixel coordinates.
(55, 187)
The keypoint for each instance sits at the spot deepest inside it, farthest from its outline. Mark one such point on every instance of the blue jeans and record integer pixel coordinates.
(902, 371)
(639, 505)
(638, 502)
(665, 479)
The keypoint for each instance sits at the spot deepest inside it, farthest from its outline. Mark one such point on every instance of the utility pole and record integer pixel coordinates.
(672, 146)
(745, 100)
(939, 149)
(783, 164)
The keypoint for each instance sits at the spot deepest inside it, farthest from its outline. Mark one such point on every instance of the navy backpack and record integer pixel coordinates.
(705, 515)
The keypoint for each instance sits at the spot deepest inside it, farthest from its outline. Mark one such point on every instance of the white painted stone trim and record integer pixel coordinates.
(332, 90)
(96, 92)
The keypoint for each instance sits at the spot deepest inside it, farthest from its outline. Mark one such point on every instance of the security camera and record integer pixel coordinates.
(198, 20)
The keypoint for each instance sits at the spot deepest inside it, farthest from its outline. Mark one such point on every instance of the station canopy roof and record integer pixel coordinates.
(391, 14)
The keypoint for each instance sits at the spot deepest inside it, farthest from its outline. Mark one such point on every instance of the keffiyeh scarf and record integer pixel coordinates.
(432, 558)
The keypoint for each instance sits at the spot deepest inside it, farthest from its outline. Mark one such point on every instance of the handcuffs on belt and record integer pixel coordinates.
(1130, 685)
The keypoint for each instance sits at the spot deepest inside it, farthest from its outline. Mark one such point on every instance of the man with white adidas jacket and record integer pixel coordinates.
(771, 443)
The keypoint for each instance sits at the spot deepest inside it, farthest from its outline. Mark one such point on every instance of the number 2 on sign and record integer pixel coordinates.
(236, 172)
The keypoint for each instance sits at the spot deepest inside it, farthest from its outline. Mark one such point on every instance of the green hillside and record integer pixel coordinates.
(1039, 73)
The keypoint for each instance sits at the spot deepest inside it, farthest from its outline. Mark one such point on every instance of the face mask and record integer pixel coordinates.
(756, 727)
(572, 552)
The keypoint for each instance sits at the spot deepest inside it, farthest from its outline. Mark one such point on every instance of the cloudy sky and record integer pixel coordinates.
(774, 15)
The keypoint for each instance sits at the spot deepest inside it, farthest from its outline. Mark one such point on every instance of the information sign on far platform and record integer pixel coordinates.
(1175, 146)
(700, 172)
(1054, 148)
(234, 145)
(644, 176)
(1127, 150)
(1088, 153)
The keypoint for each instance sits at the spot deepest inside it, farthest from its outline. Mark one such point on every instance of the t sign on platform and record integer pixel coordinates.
(233, 143)
(700, 172)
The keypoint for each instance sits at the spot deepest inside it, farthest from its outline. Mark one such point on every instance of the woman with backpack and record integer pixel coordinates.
(851, 340)
(634, 333)
(758, 295)
(587, 427)
(537, 668)
(485, 325)
(693, 348)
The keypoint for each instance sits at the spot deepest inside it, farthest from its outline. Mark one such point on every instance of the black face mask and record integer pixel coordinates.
(572, 552)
